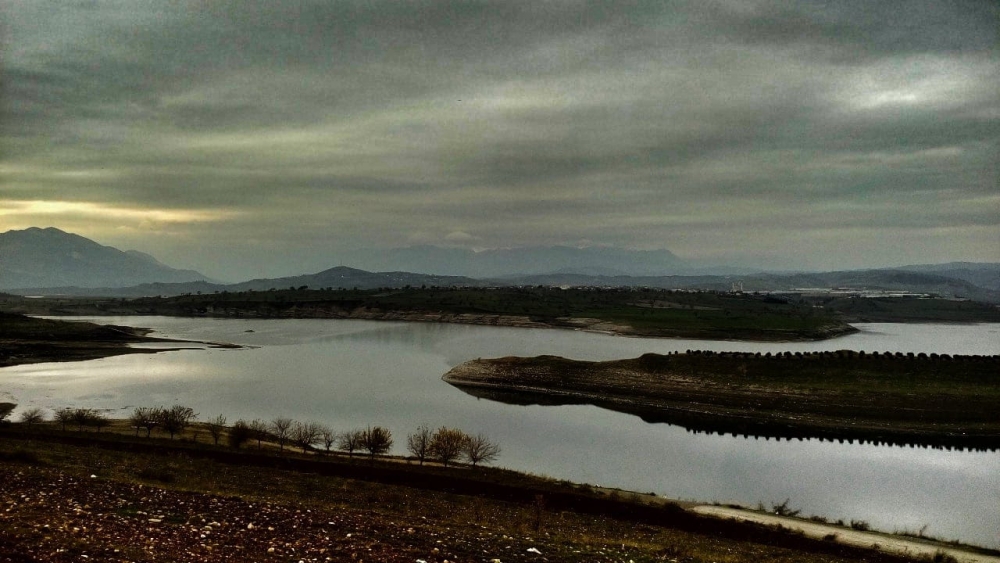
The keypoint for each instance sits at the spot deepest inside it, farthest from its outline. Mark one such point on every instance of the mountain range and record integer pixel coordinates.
(50, 261)
(499, 263)
(36, 257)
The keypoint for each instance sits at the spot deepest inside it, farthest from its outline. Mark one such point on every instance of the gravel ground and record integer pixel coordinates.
(47, 515)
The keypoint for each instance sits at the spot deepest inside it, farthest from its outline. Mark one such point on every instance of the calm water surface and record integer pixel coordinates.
(348, 374)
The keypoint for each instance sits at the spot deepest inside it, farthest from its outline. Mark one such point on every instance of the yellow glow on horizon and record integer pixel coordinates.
(90, 210)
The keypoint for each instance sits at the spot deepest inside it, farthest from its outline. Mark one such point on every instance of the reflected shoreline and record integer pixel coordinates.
(709, 424)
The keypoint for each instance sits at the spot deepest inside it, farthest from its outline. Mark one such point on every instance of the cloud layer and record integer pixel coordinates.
(807, 134)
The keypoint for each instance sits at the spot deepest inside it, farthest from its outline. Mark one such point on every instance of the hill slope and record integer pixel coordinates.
(53, 258)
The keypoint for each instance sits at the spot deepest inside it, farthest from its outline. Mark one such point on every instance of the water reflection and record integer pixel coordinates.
(712, 425)
(351, 373)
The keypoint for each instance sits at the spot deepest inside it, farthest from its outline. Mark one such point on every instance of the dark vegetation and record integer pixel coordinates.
(909, 309)
(445, 445)
(27, 340)
(933, 400)
(387, 509)
(641, 312)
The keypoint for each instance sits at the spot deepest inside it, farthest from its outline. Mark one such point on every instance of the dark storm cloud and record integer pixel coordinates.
(859, 29)
(644, 124)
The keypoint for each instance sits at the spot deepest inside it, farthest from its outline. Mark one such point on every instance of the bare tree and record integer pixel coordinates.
(175, 419)
(146, 418)
(327, 437)
(479, 449)
(98, 420)
(281, 429)
(33, 416)
(258, 430)
(215, 427)
(240, 433)
(305, 434)
(419, 443)
(82, 417)
(64, 416)
(446, 444)
(377, 440)
(350, 441)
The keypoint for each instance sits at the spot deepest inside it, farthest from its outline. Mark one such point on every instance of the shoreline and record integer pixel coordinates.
(719, 393)
(31, 340)
(581, 324)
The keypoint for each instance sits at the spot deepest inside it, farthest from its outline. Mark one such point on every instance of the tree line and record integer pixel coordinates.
(444, 445)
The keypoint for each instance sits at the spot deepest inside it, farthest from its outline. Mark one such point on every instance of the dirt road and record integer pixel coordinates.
(894, 544)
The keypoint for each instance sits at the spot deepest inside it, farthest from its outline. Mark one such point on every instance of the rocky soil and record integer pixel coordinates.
(48, 515)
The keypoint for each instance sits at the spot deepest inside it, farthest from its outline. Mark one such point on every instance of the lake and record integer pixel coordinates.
(348, 374)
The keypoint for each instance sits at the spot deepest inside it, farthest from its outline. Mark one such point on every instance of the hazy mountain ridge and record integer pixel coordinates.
(52, 262)
(530, 260)
(985, 275)
(882, 279)
(345, 277)
(50, 257)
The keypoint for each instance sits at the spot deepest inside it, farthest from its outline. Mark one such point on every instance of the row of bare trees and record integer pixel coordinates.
(448, 444)
(171, 420)
(304, 435)
(445, 445)
(79, 417)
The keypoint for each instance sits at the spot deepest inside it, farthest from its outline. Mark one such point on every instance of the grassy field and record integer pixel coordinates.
(117, 498)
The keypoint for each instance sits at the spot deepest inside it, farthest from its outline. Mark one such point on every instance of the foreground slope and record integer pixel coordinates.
(68, 497)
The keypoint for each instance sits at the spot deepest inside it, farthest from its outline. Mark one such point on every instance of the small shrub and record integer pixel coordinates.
(860, 525)
(783, 510)
(830, 537)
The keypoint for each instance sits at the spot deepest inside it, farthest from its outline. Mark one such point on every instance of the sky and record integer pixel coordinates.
(249, 139)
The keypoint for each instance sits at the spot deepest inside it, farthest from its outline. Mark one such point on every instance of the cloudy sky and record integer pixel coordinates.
(247, 138)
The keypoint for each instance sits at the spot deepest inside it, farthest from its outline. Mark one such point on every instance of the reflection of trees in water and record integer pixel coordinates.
(713, 425)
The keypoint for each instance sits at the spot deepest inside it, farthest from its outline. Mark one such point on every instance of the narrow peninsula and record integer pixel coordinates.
(29, 340)
(930, 400)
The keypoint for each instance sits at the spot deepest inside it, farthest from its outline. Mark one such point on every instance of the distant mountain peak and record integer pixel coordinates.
(39, 257)
(341, 270)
